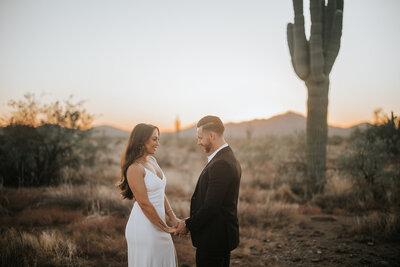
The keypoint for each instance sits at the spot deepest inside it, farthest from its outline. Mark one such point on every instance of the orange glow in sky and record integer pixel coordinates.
(151, 61)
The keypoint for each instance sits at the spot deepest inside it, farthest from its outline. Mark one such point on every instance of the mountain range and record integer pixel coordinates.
(280, 125)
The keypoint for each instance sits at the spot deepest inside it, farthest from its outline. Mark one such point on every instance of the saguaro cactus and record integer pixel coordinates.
(312, 61)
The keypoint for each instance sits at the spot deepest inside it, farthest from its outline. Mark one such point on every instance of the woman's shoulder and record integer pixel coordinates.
(135, 169)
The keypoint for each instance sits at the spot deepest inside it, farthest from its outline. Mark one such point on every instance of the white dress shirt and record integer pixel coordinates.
(216, 151)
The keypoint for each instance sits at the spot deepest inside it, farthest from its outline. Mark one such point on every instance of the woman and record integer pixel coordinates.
(147, 235)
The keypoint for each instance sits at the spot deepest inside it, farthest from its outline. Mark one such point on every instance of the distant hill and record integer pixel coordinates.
(282, 124)
(109, 131)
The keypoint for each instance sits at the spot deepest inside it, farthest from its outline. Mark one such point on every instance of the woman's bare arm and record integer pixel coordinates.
(135, 175)
(170, 212)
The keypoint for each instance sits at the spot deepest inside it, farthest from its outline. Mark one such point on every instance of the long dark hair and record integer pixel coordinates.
(134, 150)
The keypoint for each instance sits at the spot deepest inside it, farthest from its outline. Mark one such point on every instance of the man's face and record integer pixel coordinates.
(204, 139)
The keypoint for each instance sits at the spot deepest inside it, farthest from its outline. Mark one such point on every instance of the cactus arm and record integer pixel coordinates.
(323, 19)
(334, 43)
(300, 56)
(316, 51)
(339, 5)
(289, 33)
(290, 44)
(329, 13)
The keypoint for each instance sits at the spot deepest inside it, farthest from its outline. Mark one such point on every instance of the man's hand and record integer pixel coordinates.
(181, 229)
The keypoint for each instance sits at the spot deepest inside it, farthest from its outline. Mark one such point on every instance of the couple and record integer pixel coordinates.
(213, 222)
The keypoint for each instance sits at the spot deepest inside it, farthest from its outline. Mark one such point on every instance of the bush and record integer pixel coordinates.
(290, 159)
(40, 142)
(37, 156)
(373, 158)
(365, 157)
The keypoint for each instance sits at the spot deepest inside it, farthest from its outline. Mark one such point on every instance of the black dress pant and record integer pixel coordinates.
(212, 259)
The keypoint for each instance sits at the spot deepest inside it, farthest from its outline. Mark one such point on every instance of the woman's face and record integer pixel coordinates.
(152, 143)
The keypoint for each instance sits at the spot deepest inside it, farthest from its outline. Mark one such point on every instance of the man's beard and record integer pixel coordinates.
(207, 148)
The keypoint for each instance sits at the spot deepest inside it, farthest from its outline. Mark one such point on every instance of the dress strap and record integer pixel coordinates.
(141, 164)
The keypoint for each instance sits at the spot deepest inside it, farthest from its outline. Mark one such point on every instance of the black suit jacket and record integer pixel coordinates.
(213, 221)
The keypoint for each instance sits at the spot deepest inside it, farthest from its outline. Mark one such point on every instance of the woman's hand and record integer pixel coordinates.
(170, 230)
(175, 222)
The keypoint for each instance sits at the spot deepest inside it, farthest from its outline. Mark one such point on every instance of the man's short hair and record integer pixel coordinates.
(212, 123)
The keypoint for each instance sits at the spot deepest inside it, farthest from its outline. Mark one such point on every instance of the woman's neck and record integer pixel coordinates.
(143, 158)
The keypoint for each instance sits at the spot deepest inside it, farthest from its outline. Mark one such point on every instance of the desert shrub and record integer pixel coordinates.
(255, 156)
(290, 160)
(335, 140)
(40, 142)
(372, 157)
(270, 162)
(255, 153)
(387, 129)
(340, 192)
(365, 157)
(32, 156)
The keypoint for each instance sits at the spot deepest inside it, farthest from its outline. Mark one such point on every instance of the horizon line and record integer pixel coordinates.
(237, 122)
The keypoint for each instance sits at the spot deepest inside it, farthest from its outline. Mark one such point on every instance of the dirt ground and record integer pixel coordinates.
(318, 240)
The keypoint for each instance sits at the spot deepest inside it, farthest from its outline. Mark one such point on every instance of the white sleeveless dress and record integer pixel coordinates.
(148, 245)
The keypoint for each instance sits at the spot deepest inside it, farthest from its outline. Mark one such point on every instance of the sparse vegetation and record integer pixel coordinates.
(377, 225)
(81, 221)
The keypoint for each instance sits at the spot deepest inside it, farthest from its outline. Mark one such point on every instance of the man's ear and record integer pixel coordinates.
(212, 136)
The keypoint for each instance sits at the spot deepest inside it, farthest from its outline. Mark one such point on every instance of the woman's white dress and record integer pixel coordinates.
(148, 245)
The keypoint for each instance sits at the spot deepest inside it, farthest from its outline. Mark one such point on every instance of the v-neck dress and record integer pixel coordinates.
(148, 245)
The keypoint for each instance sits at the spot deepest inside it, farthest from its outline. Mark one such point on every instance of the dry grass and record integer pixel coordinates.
(89, 198)
(92, 216)
(285, 194)
(41, 217)
(378, 225)
(85, 222)
(46, 248)
(309, 210)
(264, 214)
(338, 185)
(100, 237)
(14, 200)
(341, 195)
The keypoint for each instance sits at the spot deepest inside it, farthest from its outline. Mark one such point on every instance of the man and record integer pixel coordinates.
(213, 222)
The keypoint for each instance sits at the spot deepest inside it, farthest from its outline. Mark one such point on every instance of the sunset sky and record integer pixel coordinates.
(150, 61)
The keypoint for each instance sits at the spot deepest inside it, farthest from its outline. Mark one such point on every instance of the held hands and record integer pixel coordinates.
(170, 230)
(178, 228)
(175, 221)
(181, 229)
